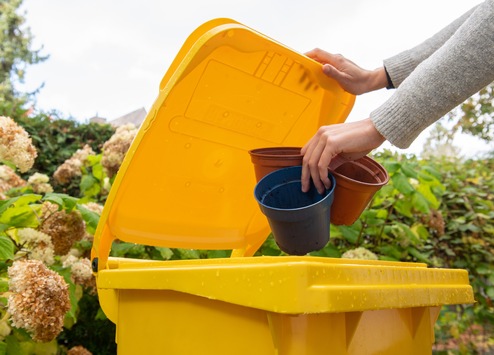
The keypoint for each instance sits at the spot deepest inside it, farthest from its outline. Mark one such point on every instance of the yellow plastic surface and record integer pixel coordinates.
(187, 180)
(278, 305)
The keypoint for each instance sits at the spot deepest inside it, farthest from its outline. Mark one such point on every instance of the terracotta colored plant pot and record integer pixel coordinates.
(267, 160)
(356, 183)
(299, 221)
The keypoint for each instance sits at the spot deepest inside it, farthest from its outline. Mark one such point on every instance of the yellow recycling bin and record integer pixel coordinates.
(187, 182)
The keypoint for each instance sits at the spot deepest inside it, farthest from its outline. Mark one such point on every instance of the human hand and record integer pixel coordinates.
(350, 140)
(349, 75)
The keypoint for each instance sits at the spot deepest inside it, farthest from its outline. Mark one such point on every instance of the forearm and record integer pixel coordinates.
(457, 70)
(402, 64)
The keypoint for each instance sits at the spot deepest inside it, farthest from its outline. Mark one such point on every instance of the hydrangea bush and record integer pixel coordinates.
(45, 238)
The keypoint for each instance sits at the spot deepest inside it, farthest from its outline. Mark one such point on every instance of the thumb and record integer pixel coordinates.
(331, 71)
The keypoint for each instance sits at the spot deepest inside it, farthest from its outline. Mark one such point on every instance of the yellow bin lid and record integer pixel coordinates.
(187, 180)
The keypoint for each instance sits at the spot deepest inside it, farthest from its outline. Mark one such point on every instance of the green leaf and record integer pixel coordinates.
(9, 164)
(15, 202)
(426, 192)
(350, 234)
(329, 251)
(90, 217)
(94, 159)
(433, 172)
(186, 253)
(166, 253)
(391, 166)
(6, 248)
(420, 203)
(74, 295)
(400, 182)
(4, 285)
(269, 247)
(334, 231)
(401, 230)
(98, 172)
(213, 254)
(388, 258)
(87, 182)
(390, 251)
(13, 345)
(483, 269)
(421, 231)
(54, 198)
(63, 200)
(418, 255)
(382, 213)
(409, 171)
(120, 249)
(100, 315)
(44, 348)
(404, 207)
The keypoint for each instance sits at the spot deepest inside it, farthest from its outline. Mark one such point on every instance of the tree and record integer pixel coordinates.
(440, 143)
(475, 115)
(16, 54)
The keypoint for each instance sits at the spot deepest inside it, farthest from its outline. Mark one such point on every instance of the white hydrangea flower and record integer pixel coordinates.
(359, 253)
(39, 245)
(40, 183)
(116, 147)
(39, 299)
(69, 260)
(72, 166)
(15, 145)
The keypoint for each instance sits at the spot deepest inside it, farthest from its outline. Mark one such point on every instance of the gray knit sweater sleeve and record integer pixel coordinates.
(438, 75)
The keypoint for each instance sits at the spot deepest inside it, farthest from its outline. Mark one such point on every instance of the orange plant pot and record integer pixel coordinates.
(267, 160)
(356, 183)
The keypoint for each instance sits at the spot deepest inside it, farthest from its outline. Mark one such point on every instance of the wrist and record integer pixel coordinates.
(375, 138)
(378, 79)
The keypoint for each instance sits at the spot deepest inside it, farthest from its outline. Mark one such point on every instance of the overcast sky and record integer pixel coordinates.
(107, 57)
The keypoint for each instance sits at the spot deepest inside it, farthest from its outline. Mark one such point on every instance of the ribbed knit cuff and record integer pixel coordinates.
(399, 67)
(392, 121)
(388, 78)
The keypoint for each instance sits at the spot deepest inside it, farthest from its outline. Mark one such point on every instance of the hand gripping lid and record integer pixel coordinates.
(187, 180)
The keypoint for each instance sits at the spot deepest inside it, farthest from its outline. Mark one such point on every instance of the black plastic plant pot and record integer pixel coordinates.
(299, 221)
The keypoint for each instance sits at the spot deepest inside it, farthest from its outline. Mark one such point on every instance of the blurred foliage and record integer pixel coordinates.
(16, 54)
(56, 139)
(475, 115)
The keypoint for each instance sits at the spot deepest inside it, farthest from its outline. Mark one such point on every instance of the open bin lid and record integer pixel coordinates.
(187, 180)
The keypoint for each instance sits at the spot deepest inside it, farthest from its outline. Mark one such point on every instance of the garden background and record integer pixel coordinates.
(56, 172)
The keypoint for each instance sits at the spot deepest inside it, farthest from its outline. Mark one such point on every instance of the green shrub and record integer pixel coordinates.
(56, 139)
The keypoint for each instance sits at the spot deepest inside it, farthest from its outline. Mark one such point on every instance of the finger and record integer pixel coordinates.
(333, 72)
(307, 147)
(324, 161)
(306, 152)
(318, 55)
(305, 178)
(314, 166)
